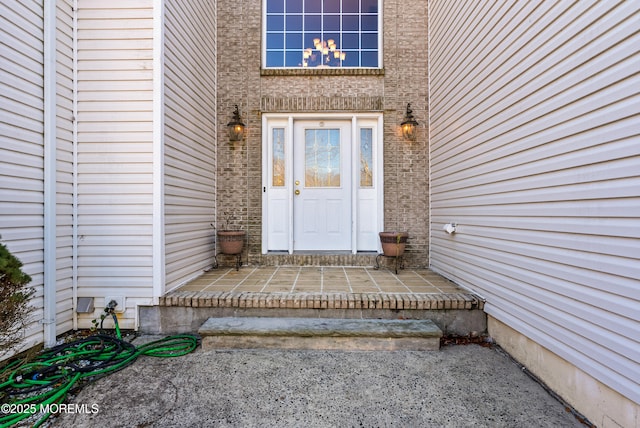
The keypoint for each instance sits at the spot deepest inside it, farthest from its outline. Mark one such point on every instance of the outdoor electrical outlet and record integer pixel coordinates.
(119, 300)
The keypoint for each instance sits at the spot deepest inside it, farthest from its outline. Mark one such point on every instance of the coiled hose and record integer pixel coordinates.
(35, 386)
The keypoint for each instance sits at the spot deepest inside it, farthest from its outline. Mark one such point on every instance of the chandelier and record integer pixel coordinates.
(323, 54)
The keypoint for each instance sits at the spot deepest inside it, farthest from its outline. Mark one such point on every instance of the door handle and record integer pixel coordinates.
(297, 192)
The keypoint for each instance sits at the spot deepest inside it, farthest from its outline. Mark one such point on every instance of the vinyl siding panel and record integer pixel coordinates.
(535, 155)
(65, 305)
(190, 112)
(115, 153)
(22, 145)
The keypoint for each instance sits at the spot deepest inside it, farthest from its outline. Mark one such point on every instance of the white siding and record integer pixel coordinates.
(115, 153)
(190, 70)
(22, 151)
(534, 129)
(22, 145)
(64, 145)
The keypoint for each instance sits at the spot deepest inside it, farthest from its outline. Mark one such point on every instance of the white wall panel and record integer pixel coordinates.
(64, 186)
(115, 152)
(534, 154)
(190, 100)
(22, 145)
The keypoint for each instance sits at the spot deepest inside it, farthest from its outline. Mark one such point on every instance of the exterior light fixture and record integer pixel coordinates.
(409, 125)
(236, 127)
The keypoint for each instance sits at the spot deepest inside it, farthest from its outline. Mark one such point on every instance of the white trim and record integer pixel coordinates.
(265, 175)
(74, 208)
(289, 176)
(380, 34)
(263, 34)
(354, 185)
(380, 172)
(50, 176)
(158, 151)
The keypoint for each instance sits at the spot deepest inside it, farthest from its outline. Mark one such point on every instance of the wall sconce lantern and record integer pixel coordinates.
(409, 125)
(236, 127)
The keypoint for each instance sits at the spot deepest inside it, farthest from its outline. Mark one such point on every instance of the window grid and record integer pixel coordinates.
(291, 31)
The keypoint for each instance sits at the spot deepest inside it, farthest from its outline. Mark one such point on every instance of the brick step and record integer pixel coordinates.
(315, 300)
(320, 333)
(185, 311)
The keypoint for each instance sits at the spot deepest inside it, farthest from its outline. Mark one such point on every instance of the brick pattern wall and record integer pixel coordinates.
(404, 79)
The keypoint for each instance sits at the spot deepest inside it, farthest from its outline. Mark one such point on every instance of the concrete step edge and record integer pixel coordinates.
(319, 327)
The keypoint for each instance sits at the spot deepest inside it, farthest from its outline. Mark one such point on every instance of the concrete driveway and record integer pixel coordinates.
(458, 386)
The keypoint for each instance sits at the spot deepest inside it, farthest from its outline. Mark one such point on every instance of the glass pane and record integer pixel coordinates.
(322, 158)
(369, 41)
(278, 157)
(312, 23)
(294, 6)
(294, 22)
(350, 41)
(369, 59)
(275, 6)
(313, 6)
(335, 37)
(350, 23)
(366, 157)
(350, 6)
(369, 6)
(275, 41)
(275, 59)
(370, 23)
(293, 59)
(308, 39)
(331, 23)
(294, 41)
(351, 59)
(331, 6)
(275, 22)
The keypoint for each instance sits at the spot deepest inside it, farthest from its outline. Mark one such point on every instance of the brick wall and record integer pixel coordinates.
(404, 79)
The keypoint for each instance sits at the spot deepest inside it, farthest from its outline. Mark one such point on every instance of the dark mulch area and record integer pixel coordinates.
(481, 340)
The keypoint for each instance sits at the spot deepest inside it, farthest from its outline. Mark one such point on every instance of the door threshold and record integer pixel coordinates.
(322, 253)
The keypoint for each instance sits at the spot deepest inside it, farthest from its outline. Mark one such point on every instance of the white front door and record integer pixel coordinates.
(322, 182)
(322, 175)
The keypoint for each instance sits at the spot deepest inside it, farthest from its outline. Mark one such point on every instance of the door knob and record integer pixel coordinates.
(297, 192)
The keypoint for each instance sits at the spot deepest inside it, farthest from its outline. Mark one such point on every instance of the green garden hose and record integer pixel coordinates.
(39, 386)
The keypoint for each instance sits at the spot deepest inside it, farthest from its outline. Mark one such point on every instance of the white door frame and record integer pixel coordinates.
(277, 201)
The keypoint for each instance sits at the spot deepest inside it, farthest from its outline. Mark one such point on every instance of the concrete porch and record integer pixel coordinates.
(342, 292)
